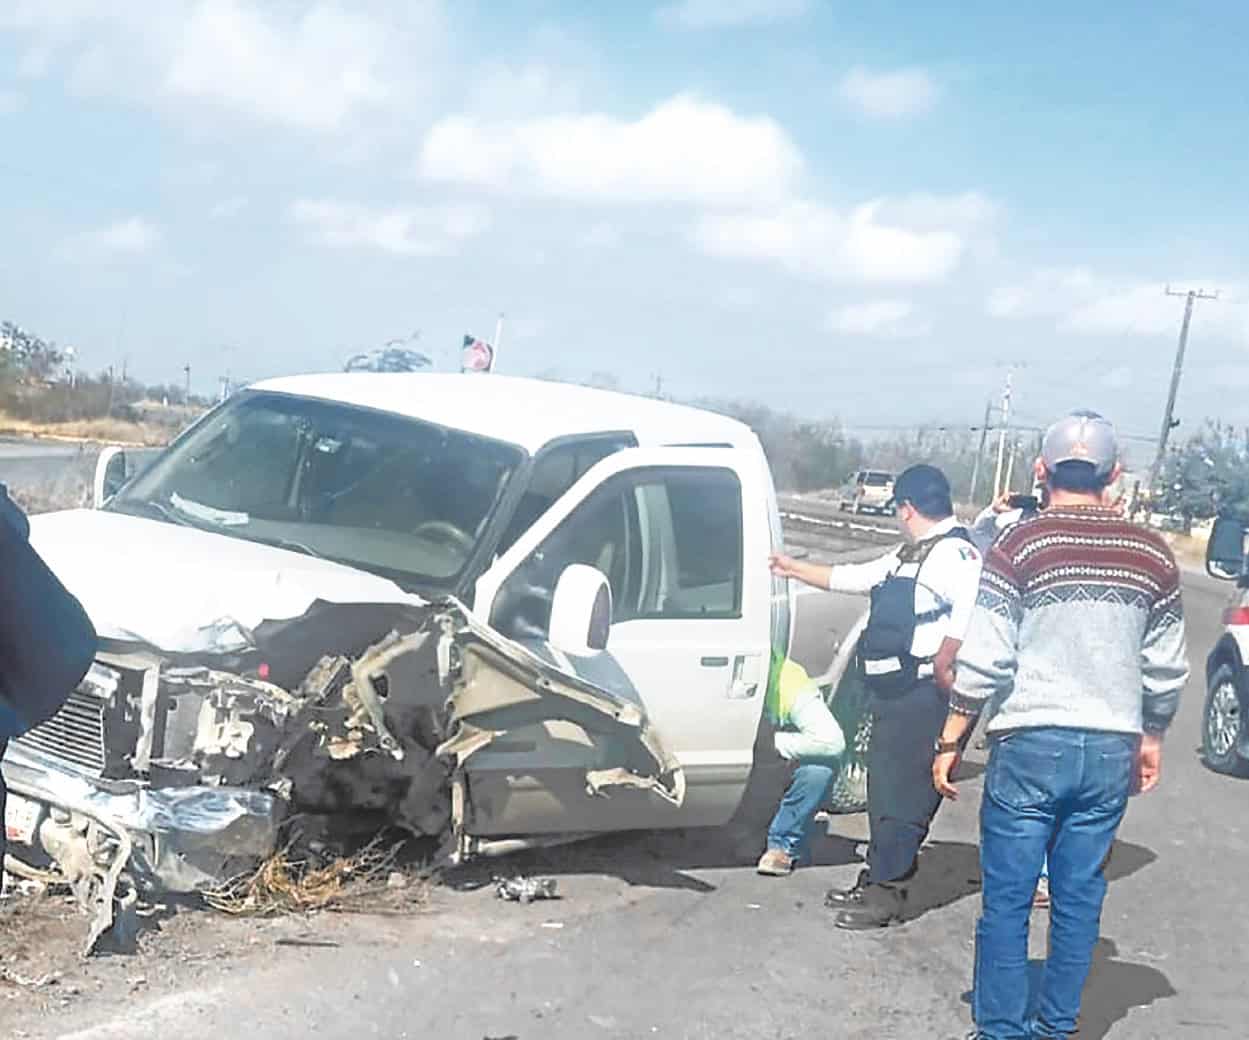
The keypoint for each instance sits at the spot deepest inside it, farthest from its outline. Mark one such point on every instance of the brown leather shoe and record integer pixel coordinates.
(776, 863)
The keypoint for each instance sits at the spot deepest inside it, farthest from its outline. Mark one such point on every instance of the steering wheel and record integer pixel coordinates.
(444, 531)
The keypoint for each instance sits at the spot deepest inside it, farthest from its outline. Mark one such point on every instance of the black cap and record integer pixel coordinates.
(926, 488)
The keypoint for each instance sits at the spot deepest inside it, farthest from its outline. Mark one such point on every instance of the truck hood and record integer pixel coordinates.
(184, 590)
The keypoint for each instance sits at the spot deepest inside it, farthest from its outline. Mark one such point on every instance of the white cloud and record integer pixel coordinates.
(684, 150)
(969, 211)
(890, 95)
(1081, 301)
(885, 318)
(227, 208)
(312, 73)
(313, 66)
(818, 242)
(403, 231)
(10, 101)
(1046, 292)
(503, 91)
(133, 236)
(715, 14)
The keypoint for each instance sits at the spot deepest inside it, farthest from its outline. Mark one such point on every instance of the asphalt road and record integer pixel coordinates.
(675, 936)
(29, 463)
(55, 474)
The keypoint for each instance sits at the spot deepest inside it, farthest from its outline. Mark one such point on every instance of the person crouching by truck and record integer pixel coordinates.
(808, 735)
(922, 596)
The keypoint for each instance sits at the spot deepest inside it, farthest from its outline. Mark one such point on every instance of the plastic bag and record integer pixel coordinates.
(851, 705)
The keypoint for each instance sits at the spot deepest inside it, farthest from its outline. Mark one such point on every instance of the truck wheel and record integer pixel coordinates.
(1223, 723)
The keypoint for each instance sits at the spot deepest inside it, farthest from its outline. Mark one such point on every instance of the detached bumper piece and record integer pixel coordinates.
(114, 841)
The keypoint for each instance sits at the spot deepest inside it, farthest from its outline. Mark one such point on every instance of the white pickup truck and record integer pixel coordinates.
(484, 609)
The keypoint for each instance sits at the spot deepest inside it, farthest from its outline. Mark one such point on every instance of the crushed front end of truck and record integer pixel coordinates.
(170, 773)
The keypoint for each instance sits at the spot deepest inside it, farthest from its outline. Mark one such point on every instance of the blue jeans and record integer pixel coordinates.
(1055, 792)
(816, 743)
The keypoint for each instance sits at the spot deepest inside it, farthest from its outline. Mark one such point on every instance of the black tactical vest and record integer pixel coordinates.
(884, 651)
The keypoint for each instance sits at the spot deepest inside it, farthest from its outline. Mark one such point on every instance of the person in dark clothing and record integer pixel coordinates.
(922, 598)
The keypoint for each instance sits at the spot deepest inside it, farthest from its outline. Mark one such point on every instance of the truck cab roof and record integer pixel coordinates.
(528, 412)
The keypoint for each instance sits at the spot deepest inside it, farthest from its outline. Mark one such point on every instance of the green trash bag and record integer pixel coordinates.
(851, 704)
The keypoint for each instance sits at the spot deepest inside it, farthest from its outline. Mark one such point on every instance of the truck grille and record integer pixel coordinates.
(76, 733)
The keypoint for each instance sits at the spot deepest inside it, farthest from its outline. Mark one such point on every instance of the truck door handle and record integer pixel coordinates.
(714, 662)
(745, 683)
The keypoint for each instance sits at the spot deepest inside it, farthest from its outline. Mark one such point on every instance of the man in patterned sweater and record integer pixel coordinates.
(1076, 652)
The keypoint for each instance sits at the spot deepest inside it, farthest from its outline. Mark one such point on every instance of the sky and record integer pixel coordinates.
(861, 211)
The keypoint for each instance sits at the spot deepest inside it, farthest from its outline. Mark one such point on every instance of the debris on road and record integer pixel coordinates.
(521, 889)
(284, 885)
(13, 978)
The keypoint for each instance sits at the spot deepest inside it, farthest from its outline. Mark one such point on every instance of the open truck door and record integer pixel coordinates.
(681, 534)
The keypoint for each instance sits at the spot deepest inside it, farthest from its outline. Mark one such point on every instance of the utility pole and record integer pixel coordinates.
(1168, 417)
(1001, 439)
(187, 397)
(1010, 465)
(984, 437)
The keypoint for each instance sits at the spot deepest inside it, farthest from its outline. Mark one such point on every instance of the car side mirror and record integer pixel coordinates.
(110, 475)
(581, 611)
(1225, 551)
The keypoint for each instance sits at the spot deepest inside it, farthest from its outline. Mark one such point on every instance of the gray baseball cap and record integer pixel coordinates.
(1082, 436)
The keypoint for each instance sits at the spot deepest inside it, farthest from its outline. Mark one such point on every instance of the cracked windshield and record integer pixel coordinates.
(324, 479)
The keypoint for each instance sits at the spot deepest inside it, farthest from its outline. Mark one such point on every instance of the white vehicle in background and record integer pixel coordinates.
(870, 490)
(487, 610)
(1225, 717)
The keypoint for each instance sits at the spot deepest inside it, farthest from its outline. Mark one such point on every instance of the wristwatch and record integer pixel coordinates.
(944, 747)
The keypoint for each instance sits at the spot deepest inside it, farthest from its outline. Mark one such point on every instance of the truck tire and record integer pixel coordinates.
(1223, 723)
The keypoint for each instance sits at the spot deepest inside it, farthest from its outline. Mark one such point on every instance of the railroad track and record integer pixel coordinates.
(816, 528)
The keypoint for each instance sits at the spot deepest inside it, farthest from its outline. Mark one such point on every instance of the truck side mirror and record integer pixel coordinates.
(581, 611)
(110, 475)
(1225, 551)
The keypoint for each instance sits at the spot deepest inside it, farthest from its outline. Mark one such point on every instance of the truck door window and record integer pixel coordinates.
(668, 541)
(694, 522)
(554, 471)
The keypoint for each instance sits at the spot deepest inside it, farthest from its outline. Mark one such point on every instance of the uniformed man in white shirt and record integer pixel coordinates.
(922, 594)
